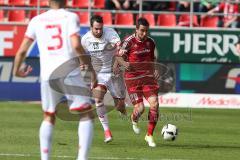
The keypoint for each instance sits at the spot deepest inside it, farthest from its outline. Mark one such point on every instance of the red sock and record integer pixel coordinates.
(151, 127)
(152, 118)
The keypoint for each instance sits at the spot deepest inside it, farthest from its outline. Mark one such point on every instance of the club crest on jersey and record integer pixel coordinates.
(135, 46)
(148, 44)
(95, 45)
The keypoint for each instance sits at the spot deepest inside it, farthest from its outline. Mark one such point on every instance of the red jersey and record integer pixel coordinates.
(140, 55)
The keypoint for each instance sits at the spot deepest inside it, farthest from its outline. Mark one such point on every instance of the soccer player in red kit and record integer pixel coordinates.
(137, 56)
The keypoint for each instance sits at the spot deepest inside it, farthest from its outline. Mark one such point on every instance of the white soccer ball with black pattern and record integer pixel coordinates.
(169, 132)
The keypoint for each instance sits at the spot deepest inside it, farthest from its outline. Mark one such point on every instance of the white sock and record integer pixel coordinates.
(102, 115)
(85, 134)
(45, 136)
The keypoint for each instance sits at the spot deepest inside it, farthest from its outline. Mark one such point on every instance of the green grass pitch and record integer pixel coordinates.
(204, 134)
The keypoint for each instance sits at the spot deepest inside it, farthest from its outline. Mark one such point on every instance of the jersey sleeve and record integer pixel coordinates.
(74, 25)
(113, 36)
(125, 45)
(30, 32)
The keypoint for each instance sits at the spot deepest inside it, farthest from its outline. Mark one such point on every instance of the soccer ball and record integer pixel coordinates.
(169, 132)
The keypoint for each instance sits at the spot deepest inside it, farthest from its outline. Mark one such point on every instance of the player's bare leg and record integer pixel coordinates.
(98, 93)
(45, 135)
(152, 118)
(85, 134)
(120, 106)
(137, 112)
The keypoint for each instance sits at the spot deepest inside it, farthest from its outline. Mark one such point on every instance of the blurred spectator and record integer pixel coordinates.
(160, 6)
(134, 5)
(172, 6)
(118, 4)
(230, 10)
(207, 5)
(146, 5)
(184, 6)
(152, 5)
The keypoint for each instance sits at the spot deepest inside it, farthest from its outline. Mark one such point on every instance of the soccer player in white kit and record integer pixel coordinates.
(101, 43)
(57, 34)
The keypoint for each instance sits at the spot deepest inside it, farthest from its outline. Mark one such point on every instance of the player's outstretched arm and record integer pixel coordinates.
(115, 66)
(19, 69)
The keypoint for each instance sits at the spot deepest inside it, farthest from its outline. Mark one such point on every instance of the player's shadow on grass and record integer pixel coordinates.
(201, 146)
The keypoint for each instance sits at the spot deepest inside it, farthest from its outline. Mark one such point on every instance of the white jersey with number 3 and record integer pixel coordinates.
(52, 30)
(101, 49)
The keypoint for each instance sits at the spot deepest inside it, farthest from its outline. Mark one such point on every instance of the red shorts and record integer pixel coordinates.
(141, 87)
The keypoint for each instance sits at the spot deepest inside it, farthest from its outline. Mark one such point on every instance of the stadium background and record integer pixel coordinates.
(204, 59)
(206, 69)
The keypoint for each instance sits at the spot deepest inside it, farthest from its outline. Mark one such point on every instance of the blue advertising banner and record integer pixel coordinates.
(19, 89)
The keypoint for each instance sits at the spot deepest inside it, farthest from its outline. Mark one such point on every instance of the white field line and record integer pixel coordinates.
(72, 157)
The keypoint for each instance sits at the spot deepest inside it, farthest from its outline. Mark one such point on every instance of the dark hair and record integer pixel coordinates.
(61, 2)
(142, 21)
(96, 18)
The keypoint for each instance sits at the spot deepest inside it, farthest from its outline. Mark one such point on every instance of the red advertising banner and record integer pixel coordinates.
(10, 39)
(197, 100)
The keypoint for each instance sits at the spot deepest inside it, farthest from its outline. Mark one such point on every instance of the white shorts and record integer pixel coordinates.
(51, 98)
(115, 84)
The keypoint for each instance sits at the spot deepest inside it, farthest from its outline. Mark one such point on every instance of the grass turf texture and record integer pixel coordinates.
(207, 134)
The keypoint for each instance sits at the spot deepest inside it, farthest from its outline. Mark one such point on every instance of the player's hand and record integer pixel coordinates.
(23, 71)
